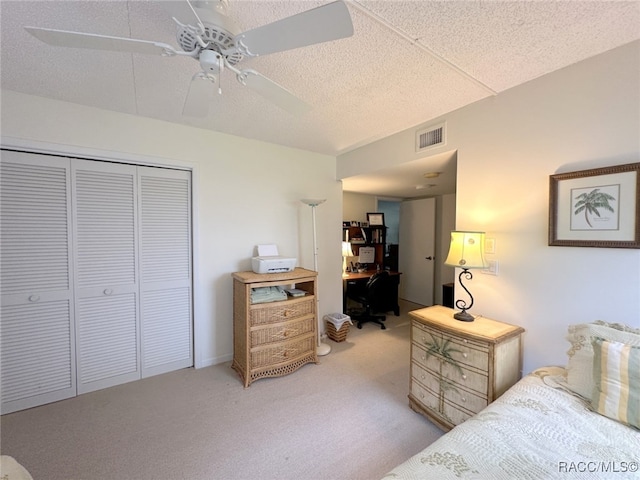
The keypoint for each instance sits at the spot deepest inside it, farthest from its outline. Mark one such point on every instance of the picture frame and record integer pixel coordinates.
(598, 207)
(375, 219)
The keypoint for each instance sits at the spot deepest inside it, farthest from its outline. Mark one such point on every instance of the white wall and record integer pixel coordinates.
(246, 193)
(583, 116)
(356, 205)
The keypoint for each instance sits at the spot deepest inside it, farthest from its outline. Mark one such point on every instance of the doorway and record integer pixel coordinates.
(417, 250)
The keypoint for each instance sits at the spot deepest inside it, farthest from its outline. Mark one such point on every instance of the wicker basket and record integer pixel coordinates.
(335, 334)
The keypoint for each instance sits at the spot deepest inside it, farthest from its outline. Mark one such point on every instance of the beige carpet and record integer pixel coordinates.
(345, 418)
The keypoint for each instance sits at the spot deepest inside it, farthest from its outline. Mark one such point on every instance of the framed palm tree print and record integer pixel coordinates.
(596, 208)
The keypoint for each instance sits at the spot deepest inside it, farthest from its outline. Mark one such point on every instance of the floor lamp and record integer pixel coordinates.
(323, 348)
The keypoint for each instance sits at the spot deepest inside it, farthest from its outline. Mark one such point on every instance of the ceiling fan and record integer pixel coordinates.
(206, 33)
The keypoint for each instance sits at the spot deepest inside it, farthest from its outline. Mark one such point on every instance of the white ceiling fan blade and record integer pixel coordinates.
(199, 97)
(273, 92)
(321, 24)
(63, 38)
(181, 11)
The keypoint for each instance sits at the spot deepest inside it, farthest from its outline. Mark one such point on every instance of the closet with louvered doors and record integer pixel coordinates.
(127, 230)
(37, 333)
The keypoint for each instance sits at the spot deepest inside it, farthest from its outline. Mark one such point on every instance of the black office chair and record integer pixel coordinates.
(373, 298)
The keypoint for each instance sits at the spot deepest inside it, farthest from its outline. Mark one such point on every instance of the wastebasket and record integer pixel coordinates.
(337, 326)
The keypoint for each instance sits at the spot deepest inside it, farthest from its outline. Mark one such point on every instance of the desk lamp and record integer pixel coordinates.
(346, 252)
(323, 348)
(466, 252)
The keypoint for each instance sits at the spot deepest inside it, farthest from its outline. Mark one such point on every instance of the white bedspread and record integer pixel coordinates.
(536, 430)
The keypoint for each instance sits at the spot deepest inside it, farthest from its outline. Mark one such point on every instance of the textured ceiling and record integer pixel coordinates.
(407, 62)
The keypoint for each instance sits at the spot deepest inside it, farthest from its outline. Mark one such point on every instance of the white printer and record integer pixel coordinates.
(268, 261)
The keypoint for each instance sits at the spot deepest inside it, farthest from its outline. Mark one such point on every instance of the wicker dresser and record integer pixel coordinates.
(276, 338)
(458, 368)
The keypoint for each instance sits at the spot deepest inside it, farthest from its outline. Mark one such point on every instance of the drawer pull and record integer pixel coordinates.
(286, 313)
(465, 340)
(423, 358)
(423, 376)
(107, 291)
(422, 395)
(463, 399)
(34, 298)
(464, 377)
(465, 355)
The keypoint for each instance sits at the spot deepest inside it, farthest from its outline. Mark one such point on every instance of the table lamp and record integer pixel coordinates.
(466, 252)
(346, 252)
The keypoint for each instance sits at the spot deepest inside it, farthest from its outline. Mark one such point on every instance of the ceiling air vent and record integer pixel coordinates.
(430, 137)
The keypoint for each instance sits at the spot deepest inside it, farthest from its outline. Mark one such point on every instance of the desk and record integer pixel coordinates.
(354, 280)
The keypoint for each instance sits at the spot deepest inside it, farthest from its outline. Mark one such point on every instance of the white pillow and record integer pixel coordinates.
(580, 364)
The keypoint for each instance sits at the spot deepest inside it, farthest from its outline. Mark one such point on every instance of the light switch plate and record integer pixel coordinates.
(492, 269)
(490, 245)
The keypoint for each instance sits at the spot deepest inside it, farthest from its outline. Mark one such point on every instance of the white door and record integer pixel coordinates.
(107, 325)
(417, 250)
(36, 317)
(165, 270)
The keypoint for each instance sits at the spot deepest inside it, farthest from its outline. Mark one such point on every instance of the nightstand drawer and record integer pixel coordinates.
(460, 350)
(426, 377)
(426, 329)
(281, 331)
(464, 399)
(427, 398)
(438, 407)
(425, 358)
(466, 377)
(430, 373)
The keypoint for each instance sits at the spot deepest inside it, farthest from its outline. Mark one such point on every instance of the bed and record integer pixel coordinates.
(582, 421)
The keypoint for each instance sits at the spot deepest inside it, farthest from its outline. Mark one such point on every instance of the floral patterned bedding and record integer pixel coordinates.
(536, 430)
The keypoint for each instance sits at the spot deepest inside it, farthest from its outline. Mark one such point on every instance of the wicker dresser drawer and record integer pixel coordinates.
(271, 355)
(458, 368)
(263, 314)
(278, 332)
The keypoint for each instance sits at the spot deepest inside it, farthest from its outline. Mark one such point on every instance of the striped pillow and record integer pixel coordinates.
(616, 374)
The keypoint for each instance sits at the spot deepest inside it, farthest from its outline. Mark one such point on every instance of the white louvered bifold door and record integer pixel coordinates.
(165, 270)
(36, 318)
(105, 226)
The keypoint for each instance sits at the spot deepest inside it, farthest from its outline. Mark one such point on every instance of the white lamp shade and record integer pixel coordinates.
(346, 249)
(466, 250)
